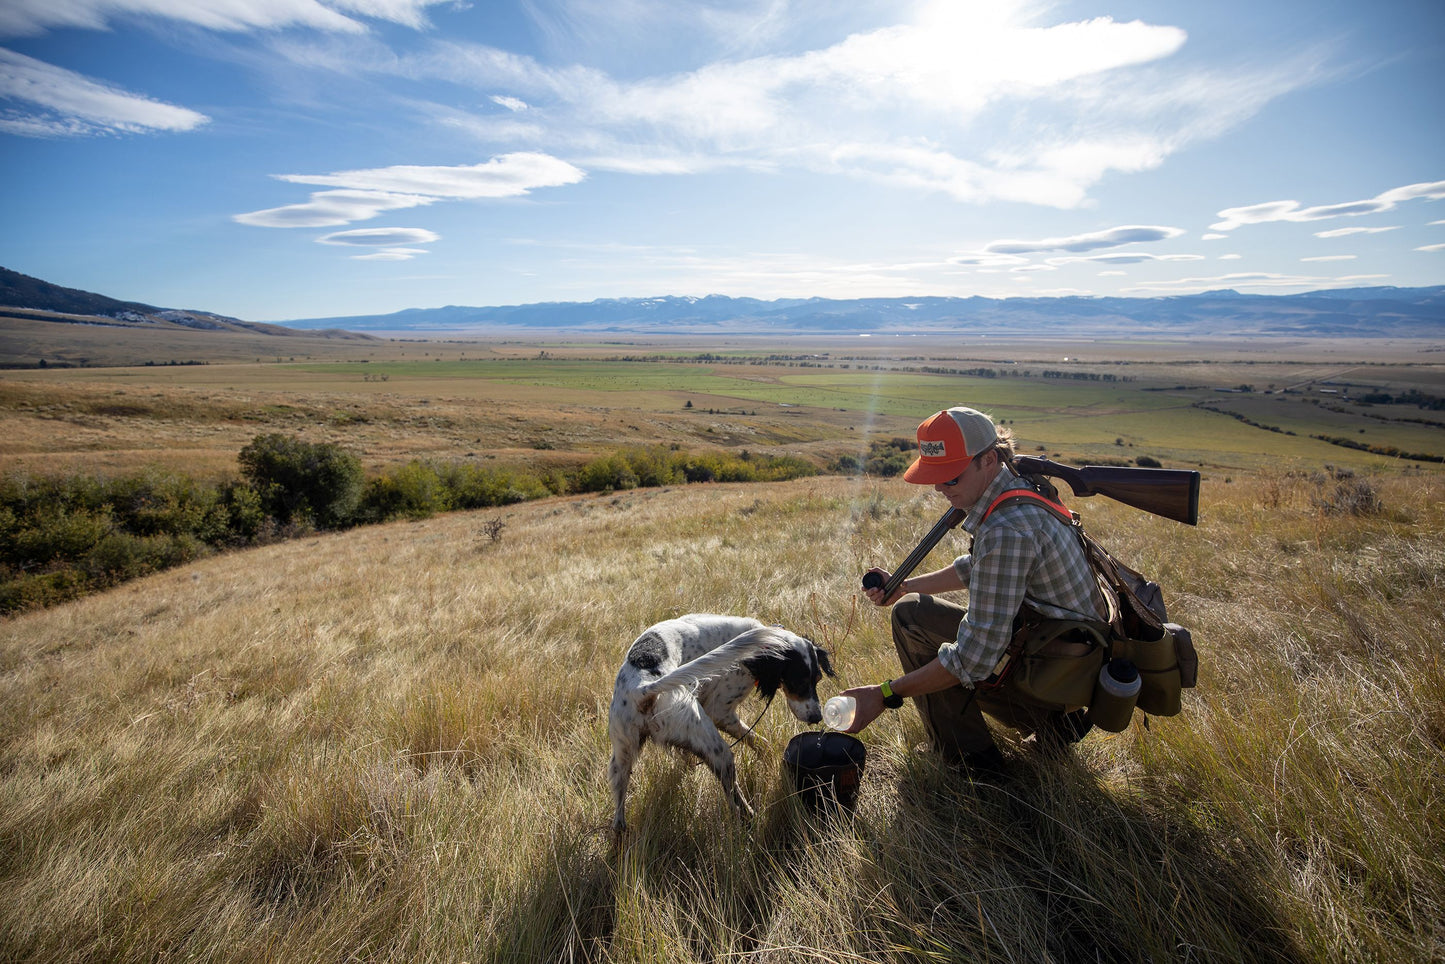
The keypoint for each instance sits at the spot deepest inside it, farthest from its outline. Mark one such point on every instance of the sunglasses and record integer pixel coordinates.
(959, 478)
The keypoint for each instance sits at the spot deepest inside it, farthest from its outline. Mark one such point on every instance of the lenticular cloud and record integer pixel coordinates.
(506, 176)
(364, 194)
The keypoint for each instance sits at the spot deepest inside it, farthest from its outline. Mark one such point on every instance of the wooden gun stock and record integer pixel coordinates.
(1171, 493)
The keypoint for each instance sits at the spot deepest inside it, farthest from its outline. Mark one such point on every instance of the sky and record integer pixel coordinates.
(285, 159)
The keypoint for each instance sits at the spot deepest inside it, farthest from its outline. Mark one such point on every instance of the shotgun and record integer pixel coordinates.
(1171, 493)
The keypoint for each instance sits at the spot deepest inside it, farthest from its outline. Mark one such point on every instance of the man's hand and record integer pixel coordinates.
(874, 592)
(870, 705)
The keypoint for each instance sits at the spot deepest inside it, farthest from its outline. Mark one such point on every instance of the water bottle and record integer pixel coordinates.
(838, 712)
(1115, 695)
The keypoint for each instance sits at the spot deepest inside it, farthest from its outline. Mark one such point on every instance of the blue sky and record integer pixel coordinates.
(279, 159)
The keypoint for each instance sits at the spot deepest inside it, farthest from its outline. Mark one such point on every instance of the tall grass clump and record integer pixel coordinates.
(389, 744)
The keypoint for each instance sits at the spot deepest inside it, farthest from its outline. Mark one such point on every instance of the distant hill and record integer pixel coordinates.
(1382, 311)
(39, 300)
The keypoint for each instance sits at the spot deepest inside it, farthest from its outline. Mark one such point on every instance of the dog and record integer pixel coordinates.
(681, 684)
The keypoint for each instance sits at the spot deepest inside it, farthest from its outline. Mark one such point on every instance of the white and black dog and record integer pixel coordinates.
(683, 680)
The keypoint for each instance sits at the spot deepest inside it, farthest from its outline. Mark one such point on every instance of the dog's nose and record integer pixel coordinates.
(815, 717)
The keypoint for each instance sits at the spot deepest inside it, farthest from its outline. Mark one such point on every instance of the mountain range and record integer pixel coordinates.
(1343, 312)
(1381, 311)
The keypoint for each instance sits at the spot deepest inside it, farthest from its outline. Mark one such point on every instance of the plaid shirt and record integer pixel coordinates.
(1024, 554)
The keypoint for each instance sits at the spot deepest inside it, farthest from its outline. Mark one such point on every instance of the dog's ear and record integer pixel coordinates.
(767, 671)
(823, 661)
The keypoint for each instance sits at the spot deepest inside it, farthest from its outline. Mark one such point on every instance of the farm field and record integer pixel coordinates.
(511, 402)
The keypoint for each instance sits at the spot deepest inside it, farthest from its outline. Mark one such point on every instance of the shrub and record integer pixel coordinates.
(1351, 496)
(54, 534)
(606, 474)
(245, 516)
(296, 480)
(475, 487)
(167, 504)
(413, 491)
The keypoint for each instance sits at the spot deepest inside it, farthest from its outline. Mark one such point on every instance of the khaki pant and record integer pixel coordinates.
(953, 718)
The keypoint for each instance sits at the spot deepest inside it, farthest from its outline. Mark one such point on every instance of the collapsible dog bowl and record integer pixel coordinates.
(825, 768)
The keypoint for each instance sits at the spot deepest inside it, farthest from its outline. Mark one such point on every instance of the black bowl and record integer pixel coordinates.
(826, 769)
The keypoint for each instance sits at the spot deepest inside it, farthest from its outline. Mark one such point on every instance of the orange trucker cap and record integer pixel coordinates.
(947, 442)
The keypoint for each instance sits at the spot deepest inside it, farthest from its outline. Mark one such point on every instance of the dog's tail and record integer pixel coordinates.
(714, 663)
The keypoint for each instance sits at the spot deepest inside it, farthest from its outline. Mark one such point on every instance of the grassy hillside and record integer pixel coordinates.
(389, 745)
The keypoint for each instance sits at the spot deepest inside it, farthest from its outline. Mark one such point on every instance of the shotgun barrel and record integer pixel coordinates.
(950, 519)
(1171, 493)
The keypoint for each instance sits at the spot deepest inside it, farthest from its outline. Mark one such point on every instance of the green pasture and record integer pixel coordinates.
(1078, 418)
(904, 394)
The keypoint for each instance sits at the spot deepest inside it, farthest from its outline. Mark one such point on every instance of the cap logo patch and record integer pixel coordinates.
(932, 450)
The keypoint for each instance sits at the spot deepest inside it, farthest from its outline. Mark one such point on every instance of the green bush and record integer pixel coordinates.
(475, 487)
(35, 591)
(609, 473)
(413, 491)
(167, 504)
(122, 555)
(53, 534)
(318, 482)
(245, 516)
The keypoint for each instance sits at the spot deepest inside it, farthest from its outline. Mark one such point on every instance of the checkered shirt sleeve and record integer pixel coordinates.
(1022, 553)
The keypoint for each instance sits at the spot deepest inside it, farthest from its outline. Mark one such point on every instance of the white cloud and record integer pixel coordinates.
(1428, 190)
(1253, 279)
(329, 208)
(1212, 237)
(1347, 232)
(1111, 238)
(1113, 274)
(987, 260)
(1291, 210)
(364, 194)
(1331, 257)
(390, 254)
(514, 104)
(1017, 108)
(380, 237)
(1133, 258)
(70, 104)
(32, 17)
(1231, 257)
(509, 175)
(1431, 247)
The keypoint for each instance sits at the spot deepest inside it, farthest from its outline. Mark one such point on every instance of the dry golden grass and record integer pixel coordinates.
(389, 745)
(120, 423)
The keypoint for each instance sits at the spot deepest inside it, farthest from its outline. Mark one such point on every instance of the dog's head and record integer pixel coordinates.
(795, 668)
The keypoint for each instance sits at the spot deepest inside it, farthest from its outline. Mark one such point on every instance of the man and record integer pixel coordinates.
(1025, 561)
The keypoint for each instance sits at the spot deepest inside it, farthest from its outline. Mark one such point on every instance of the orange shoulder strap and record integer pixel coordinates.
(1014, 495)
